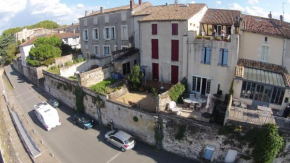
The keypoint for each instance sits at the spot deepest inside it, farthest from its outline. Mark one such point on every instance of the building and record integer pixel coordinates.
(262, 76)
(73, 28)
(26, 34)
(108, 30)
(162, 40)
(211, 62)
(71, 39)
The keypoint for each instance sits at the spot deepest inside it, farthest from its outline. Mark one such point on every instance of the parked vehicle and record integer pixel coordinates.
(83, 121)
(53, 102)
(47, 115)
(120, 139)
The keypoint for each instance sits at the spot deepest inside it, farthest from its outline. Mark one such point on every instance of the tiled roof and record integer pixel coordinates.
(220, 16)
(67, 26)
(265, 26)
(262, 66)
(60, 35)
(170, 12)
(127, 7)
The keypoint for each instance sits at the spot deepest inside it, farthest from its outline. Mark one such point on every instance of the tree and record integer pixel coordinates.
(44, 51)
(5, 41)
(267, 144)
(135, 78)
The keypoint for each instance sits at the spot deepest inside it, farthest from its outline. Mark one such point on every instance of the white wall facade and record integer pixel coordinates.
(24, 50)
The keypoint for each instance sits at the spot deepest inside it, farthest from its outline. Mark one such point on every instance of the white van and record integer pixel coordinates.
(47, 115)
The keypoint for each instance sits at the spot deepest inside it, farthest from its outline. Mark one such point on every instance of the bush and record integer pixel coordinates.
(102, 87)
(33, 63)
(135, 78)
(176, 91)
(49, 61)
(135, 119)
(268, 144)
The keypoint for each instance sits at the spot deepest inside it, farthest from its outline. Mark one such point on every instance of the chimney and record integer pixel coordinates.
(140, 2)
(270, 15)
(176, 2)
(131, 4)
(101, 10)
(281, 20)
(86, 12)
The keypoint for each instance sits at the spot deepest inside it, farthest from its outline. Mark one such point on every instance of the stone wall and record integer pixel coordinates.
(164, 99)
(18, 65)
(118, 93)
(94, 76)
(68, 71)
(122, 117)
(61, 88)
(62, 60)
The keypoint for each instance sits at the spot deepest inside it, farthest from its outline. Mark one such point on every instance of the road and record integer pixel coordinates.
(72, 144)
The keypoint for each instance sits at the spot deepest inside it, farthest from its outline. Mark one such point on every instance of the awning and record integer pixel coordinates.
(263, 76)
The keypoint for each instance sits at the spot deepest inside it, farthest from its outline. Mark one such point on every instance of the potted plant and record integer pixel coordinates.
(207, 37)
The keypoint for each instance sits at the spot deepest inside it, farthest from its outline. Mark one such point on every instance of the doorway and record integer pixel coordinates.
(203, 88)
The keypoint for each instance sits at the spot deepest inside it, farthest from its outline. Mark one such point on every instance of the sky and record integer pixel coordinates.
(15, 13)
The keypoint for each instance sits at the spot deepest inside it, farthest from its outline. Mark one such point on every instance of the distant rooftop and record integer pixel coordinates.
(170, 12)
(220, 16)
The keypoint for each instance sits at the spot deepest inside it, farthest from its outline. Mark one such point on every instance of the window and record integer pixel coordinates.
(95, 20)
(174, 50)
(154, 29)
(87, 47)
(85, 22)
(174, 29)
(266, 39)
(95, 34)
(201, 85)
(124, 47)
(107, 18)
(109, 33)
(126, 68)
(96, 50)
(107, 50)
(174, 74)
(223, 58)
(155, 71)
(205, 56)
(85, 34)
(265, 53)
(124, 32)
(123, 16)
(154, 46)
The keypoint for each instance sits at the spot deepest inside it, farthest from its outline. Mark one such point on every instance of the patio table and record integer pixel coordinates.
(194, 100)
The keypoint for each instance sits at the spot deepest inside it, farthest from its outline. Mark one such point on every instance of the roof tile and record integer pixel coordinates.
(220, 16)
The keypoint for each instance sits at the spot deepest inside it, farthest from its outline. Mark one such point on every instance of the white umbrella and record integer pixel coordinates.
(208, 102)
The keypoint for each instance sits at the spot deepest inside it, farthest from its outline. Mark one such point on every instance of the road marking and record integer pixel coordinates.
(113, 158)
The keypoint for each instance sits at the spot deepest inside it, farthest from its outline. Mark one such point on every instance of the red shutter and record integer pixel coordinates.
(154, 29)
(155, 71)
(154, 44)
(174, 29)
(174, 50)
(174, 74)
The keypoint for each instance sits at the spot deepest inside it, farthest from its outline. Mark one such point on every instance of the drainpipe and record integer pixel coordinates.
(284, 51)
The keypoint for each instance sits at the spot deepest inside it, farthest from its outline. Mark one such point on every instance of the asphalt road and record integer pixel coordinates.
(72, 144)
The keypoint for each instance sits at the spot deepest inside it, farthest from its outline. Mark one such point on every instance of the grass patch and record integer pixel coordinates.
(54, 70)
(103, 86)
(73, 78)
(7, 83)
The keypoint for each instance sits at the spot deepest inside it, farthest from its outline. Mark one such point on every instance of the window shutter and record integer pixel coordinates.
(84, 35)
(104, 33)
(221, 57)
(174, 74)
(94, 34)
(208, 51)
(174, 29)
(174, 50)
(154, 45)
(202, 55)
(126, 33)
(154, 29)
(225, 58)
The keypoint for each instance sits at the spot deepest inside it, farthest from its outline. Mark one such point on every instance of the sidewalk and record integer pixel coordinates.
(46, 155)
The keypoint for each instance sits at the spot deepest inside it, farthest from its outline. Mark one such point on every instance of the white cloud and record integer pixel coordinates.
(194, 2)
(253, 1)
(236, 6)
(218, 2)
(258, 11)
(80, 6)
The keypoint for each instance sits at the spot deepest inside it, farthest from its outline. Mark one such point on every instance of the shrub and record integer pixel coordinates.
(135, 78)
(135, 119)
(102, 87)
(176, 91)
(49, 61)
(69, 63)
(181, 132)
(268, 144)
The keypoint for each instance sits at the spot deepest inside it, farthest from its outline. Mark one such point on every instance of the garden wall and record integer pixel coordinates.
(163, 99)
(61, 88)
(68, 71)
(94, 76)
(62, 60)
(118, 93)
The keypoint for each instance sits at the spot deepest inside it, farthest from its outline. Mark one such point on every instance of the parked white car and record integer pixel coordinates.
(47, 115)
(120, 139)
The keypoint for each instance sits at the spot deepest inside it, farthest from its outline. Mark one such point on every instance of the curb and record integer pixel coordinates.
(8, 77)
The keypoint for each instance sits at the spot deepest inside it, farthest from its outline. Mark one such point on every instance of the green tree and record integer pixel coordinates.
(267, 144)
(44, 51)
(135, 78)
(5, 41)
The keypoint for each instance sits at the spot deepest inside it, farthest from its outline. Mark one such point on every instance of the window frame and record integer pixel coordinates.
(154, 28)
(208, 84)
(223, 52)
(124, 34)
(94, 33)
(86, 36)
(105, 46)
(206, 55)
(265, 56)
(98, 52)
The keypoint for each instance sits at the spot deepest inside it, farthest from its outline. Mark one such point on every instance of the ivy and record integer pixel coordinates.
(80, 94)
(231, 91)
(181, 132)
(157, 136)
